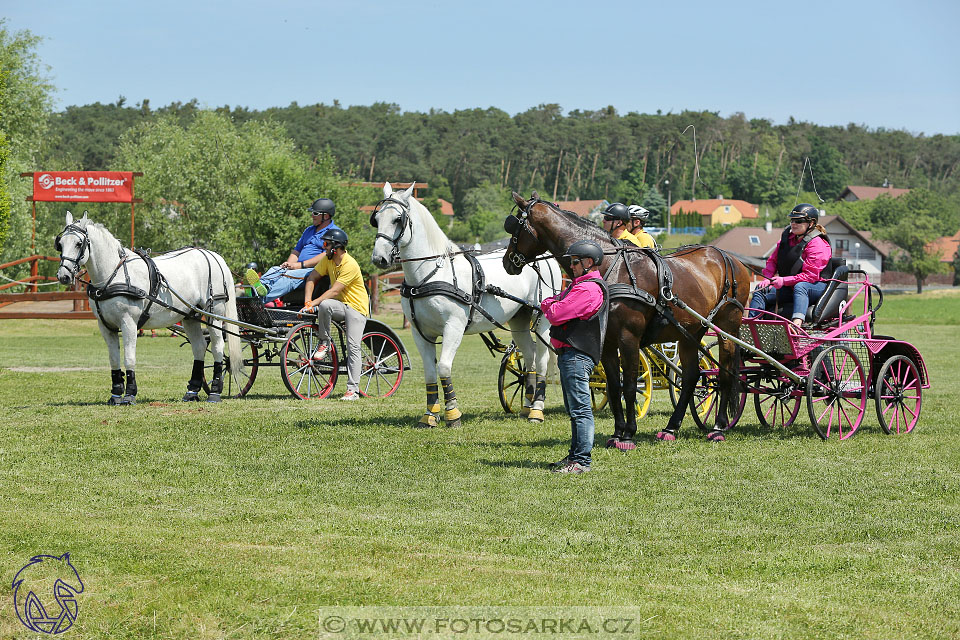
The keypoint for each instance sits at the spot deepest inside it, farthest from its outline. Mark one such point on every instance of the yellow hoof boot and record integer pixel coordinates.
(427, 421)
(451, 414)
(536, 415)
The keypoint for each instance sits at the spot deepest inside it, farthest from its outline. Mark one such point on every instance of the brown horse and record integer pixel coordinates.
(704, 279)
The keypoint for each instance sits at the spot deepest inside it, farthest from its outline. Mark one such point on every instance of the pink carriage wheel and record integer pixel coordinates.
(306, 378)
(381, 368)
(898, 394)
(836, 393)
(778, 405)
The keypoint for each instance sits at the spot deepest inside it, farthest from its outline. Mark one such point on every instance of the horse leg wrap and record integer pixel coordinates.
(130, 393)
(195, 383)
(116, 389)
(529, 390)
(539, 396)
(451, 414)
(429, 419)
(216, 385)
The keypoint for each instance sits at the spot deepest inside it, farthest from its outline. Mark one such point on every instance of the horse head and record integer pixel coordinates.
(391, 219)
(73, 243)
(43, 580)
(525, 244)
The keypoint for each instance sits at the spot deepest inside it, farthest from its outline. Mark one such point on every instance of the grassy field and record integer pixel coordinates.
(241, 520)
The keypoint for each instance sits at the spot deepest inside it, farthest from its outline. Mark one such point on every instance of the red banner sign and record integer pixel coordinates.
(83, 186)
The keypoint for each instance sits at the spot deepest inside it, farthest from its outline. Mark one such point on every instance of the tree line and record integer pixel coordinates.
(238, 180)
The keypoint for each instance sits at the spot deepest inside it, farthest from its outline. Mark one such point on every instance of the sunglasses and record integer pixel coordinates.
(574, 261)
(795, 221)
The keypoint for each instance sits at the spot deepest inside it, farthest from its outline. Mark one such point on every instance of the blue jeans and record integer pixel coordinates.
(280, 281)
(793, 301)
(575, 368)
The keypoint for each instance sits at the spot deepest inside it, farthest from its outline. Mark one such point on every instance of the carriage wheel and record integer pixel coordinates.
(777, 406)
(598, 388)
(248, 372)
(305, 378)
(836, 392)
(674, 381)
(510, 381)
(382, 365)
(644, 386)
(899, 394)
(706, 395)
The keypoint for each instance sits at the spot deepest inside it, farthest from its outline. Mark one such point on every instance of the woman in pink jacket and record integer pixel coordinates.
(796, 270)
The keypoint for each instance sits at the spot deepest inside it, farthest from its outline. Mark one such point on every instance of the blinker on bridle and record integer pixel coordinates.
(81, 233)
(513, 224)
(401, 228)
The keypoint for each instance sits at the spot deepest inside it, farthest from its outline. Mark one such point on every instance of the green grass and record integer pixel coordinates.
(241, 519)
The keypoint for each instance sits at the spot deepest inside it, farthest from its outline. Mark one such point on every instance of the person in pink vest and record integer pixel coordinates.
(796, 270)
(578, 318)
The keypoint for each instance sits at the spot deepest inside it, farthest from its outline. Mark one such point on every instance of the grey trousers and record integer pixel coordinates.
(355, 323)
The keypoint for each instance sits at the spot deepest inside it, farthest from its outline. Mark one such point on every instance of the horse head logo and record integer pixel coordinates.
(45, 594)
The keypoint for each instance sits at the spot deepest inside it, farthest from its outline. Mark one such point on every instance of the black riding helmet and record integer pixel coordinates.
(322, 205)
(617, 210)
(805, 212)
(585, 249)
(336, 237)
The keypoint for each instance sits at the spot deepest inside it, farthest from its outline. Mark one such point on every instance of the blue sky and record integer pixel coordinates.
(881, 63)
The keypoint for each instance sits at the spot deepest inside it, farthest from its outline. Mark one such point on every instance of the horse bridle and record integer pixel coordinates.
(81, 233)
(514, 224)
(404, 224)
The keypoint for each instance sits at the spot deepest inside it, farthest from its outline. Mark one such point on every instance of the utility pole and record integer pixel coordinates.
(667, 183)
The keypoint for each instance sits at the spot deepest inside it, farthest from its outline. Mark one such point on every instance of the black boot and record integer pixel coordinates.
(195, 383)
(116, 389)
(216, 385)
(130, 394)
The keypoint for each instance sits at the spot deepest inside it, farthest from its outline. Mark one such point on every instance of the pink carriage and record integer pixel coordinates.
(835, 362)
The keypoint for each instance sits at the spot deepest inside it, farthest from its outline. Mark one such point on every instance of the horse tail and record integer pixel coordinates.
(233, 340)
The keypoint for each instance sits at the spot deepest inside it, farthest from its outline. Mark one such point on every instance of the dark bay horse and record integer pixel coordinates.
(704, 278)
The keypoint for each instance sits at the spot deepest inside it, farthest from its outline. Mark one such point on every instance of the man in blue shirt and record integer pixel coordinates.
(284, 278)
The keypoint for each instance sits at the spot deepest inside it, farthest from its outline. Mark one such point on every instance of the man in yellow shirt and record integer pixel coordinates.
(346, 300)
(638, 218)
(615, 220)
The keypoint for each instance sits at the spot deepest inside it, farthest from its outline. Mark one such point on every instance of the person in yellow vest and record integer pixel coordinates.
(346, 300)
(638, 218)
(615, 219)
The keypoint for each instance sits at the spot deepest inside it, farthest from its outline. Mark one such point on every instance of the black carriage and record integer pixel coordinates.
(285, 338)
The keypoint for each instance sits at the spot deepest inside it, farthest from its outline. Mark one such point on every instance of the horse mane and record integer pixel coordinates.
(437, 240)
(106, 232)
(599, 234)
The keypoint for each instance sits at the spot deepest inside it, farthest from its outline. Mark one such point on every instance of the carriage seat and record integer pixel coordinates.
(828, 307)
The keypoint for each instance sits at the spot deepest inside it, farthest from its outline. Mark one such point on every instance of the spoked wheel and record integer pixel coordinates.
(836, 393)
(644, 386)
(706, 396)
(304, 377)
(898, 394)
(248, 372)
(381, 368)
(598, 388)
(510, 381)
(777, 405)
(675, 380)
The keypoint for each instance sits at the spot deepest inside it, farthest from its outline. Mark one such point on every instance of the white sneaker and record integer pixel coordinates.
(350, 395)
(321, 353)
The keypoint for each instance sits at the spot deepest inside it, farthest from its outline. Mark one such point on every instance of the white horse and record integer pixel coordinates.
(440, 300)
(120, 290)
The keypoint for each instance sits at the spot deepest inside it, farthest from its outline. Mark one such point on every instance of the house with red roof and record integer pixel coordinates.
(854, 193)
(947, 246)
(583, 208)
(717, 211)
